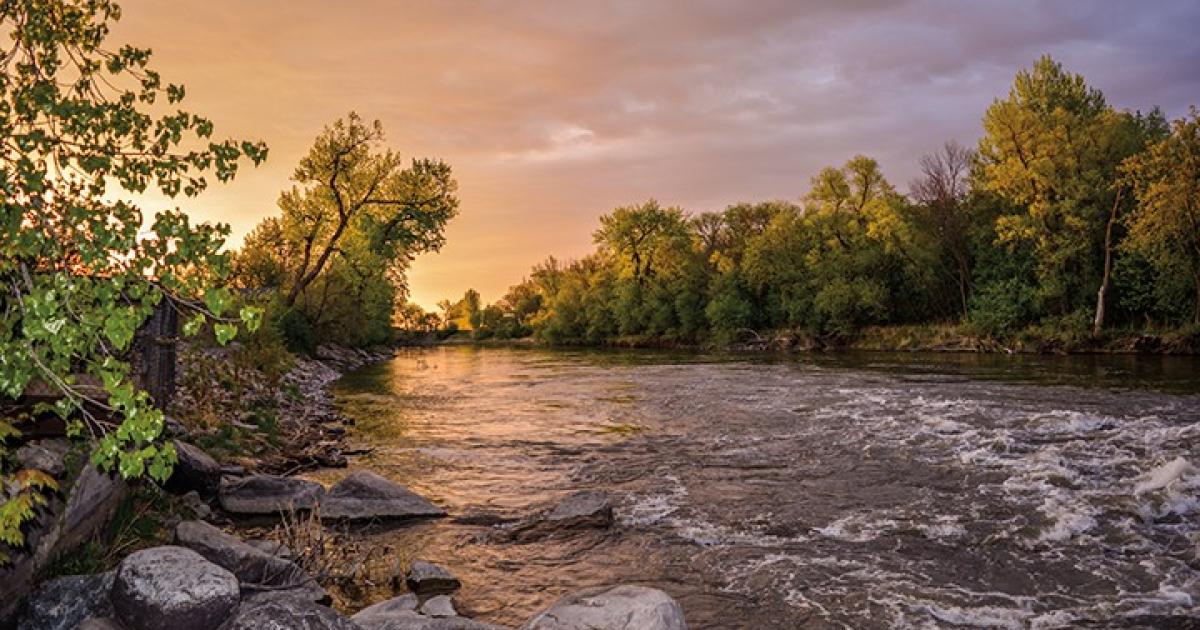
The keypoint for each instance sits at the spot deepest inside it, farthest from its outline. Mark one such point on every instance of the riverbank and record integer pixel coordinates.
(248, 539)
(902, 338)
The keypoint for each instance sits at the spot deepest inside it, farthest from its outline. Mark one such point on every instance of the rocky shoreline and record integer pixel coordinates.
(208, 577)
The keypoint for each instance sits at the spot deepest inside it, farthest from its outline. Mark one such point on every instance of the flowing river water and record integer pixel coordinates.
(859, 490)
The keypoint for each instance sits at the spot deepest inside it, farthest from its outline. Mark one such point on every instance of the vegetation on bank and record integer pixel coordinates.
(1072, 226)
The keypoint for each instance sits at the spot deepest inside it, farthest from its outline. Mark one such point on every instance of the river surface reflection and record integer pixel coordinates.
(862, 490)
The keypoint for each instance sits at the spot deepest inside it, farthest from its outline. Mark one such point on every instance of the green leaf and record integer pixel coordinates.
(217, 300)
(194, 325)
(225, 332)
(252, 317)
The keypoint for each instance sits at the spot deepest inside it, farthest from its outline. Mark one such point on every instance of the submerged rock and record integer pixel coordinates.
(426, 579)
(195, 470)
(623, 607)
(267, 494)
(172, 588)
(364, 495)
(285, 613)
(252, 566)
(63, 603)
(589, 508)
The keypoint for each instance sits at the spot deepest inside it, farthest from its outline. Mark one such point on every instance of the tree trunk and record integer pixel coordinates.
(1102, 294)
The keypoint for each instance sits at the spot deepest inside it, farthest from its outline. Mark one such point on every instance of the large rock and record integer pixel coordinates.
(364, 495)
(407, 602)
(589, 508)
(284, 613)
(90, 500)
(172, 588)
(63, 603)
(195, 470)
(266, 494)
(623, 607)
(251, 565)
(426, 579)
(45, 455)
(439, 606)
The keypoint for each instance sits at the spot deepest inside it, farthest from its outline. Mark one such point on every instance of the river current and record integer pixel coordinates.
(849, 491)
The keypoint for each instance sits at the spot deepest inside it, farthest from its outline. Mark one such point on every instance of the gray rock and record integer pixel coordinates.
(99, 623)
(266, 494)
(196, 505)
(44, 455)
(409, 620)
(195, 470)
(623, 607)
(407, 602)
(439, 606)
(589, 508)
(252, 566)
(283, 613)
(364, 495)
(88, 503)
(233, 470)
(172, 588)
(272, 547)
(63, 603)
(425, 579)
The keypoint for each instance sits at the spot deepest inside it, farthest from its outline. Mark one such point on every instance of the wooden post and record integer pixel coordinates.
(154, 354)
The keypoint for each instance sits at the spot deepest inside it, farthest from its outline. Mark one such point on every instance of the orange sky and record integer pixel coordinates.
(552, 113)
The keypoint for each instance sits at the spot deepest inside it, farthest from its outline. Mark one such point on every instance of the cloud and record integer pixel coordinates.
(553, 112)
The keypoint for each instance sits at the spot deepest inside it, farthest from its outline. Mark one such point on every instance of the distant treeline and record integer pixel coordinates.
(1070, 216)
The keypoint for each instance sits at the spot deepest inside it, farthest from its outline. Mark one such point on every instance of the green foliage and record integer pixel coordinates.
(79, 271)
(297, 332)
(349, 228)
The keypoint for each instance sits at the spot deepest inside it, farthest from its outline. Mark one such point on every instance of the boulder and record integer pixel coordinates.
(364, 495)
(267, 494)
(45, 455)
(172, 587)
(196, 505)
(284, 613)
(439, 606)
(426, 579)
(63, 603)
(272, 547)
(407, 602)
(195, 470)
(251, 565)
(589, 508)
(623, 607)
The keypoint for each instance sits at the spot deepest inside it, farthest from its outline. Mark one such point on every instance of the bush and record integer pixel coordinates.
(297, 331)
(1001, 307)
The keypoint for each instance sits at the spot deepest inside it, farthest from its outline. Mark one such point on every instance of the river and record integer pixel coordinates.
(822, 491)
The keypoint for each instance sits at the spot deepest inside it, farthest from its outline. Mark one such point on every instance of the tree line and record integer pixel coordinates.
(1070, 217)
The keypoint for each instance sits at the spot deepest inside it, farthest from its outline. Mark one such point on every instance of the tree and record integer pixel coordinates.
(640, 234)
(1053, 147)
(346, 184)
(1165, 227)
(79, 276)
(941, 194)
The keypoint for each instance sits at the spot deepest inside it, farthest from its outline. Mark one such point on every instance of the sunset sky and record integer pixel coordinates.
(553, 113)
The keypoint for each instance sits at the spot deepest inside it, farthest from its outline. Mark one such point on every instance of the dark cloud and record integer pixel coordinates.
(554, 112)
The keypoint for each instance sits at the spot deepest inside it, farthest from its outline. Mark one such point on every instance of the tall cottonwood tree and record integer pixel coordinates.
(80, 270)
(348, 183)
(1053, 147)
